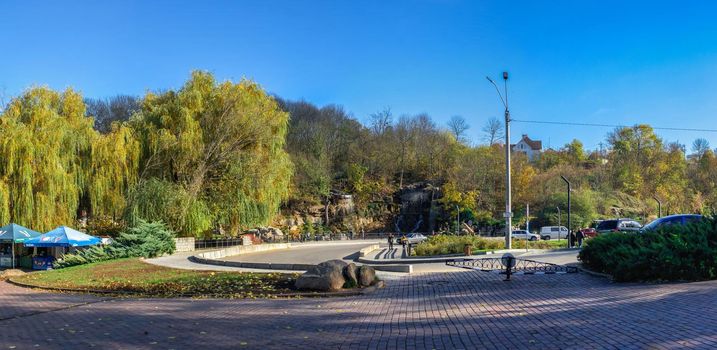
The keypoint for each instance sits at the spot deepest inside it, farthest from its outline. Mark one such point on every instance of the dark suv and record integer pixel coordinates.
(618, 225)
(679, 219)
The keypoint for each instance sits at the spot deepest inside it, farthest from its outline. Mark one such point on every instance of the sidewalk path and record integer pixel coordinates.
(456, 310)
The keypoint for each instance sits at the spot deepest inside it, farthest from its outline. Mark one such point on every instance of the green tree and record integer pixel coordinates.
(574, 152)
(55, 163)
(219, 147)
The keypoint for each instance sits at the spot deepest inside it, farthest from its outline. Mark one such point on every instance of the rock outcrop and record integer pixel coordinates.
(267, 234)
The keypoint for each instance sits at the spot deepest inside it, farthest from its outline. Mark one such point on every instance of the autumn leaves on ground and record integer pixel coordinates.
(137, 278)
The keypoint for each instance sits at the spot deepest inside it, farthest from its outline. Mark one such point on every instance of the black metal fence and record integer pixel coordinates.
(230, 242)
(216, 243)
(518, 265)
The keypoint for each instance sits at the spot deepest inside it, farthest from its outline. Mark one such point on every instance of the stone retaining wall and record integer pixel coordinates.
(366, 251)
(242, 249)
(211, 258)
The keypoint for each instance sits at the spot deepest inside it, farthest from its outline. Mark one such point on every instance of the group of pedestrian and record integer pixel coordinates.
(403, 240)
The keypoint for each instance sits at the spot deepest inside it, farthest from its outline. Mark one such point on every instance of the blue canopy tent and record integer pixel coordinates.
(60, 237)
(14, 233)
(63, 236)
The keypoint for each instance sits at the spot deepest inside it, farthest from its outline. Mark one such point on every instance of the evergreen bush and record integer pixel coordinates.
(146, 239)
(670, 253)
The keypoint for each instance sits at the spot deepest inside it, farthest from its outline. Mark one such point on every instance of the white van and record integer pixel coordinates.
(553, 232)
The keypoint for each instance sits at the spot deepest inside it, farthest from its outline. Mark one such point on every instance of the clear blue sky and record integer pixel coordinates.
(600, 61)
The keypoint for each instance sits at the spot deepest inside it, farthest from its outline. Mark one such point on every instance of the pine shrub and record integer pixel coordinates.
(671, 253)
(146, 239)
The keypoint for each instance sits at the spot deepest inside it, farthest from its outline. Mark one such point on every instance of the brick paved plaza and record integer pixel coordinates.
(457, 310)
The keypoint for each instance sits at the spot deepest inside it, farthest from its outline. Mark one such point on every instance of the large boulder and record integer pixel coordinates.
(366, 275)
(351, 275)
(335, 264)
(326, 276)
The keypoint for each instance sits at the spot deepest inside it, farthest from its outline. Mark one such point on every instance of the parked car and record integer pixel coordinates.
(523, 234)
(679, 219)
(618, 225)
(553, 232)
(415, 238)
(589, 232)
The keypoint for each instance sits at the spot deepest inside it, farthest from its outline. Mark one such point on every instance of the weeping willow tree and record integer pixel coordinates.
(114, 170)
(214, 153)
(52, 157)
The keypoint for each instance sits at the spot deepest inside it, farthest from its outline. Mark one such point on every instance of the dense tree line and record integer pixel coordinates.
(219, 157)
(332, 151)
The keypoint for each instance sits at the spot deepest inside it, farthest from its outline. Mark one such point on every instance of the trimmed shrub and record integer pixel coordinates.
(671, 253)
(146, 239)
(451, 244)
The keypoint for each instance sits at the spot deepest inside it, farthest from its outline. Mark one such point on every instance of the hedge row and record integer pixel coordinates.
(671, 253)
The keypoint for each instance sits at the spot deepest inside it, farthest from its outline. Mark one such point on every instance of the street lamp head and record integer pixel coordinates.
(490, 80)
(505, 75)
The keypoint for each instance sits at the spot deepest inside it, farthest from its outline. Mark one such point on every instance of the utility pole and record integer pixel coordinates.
(570, 236)
(527, 225)
(508, 205)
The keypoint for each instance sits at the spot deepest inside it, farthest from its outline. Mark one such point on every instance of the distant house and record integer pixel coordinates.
(530, 147)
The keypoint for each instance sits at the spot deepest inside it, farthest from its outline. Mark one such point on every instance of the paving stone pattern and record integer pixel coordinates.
(453, 310)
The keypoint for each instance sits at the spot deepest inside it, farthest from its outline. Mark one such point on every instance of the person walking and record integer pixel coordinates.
(390, 241)
(579, 235)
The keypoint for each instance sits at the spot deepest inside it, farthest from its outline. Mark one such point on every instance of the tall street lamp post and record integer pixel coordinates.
(570, 236)
(508, 205)
(659, 206)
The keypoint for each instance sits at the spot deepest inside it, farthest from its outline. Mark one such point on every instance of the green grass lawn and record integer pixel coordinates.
(135, 277)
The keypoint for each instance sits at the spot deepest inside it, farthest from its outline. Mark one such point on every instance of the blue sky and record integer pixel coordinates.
(601, 61)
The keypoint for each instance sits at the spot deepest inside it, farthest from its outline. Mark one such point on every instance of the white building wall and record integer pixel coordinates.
(523, 147)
